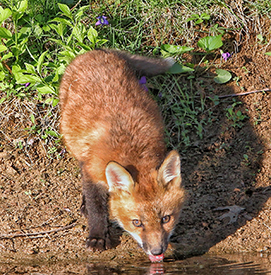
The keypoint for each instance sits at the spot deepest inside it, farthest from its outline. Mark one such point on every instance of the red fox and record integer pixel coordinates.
(115, 130)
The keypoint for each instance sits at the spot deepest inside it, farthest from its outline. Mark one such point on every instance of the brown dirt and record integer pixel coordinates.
(230, 166)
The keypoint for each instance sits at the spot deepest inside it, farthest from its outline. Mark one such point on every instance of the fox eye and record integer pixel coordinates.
(137, 223)
(166, 219)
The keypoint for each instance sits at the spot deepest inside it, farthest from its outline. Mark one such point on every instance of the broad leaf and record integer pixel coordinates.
(4, 33)
(65, 9)
(173, 49)
(22, 6)
(222, 77)
(92, 35)
(4, 14)
(3, 48)
(210, 43)
(179, 68)
(25, 78)
(40, 62)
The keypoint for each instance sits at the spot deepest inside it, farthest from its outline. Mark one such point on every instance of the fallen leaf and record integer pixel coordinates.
(234, 211)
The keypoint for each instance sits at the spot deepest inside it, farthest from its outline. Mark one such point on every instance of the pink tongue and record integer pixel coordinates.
(157, 258)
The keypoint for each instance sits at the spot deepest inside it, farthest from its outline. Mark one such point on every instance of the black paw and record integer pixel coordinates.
(98, 244)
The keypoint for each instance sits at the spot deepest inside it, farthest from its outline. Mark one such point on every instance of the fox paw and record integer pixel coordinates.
(98, 244)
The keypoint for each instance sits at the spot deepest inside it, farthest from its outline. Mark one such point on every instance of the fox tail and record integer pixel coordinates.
(148, 66)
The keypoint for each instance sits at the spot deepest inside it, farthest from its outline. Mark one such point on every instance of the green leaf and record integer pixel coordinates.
(4, 14)
(62, 20)
(205, 16)
(4, 33)
(2, 100)
(222, 77)
(3, 48)
(101, 42)
(46, 90)
(30, 68)
(193, 17)
(199, 21)
(22, 6)
(16, 69)
(46, 28)
(40, 61)
(80, 13)
(25, 30)
(38, 31)
(210, 43)
(52, 133)
(2, 75)
(92, 35)
(84, 46)
(58, 28)
(32, 118)
(79, 33)
(173, 49)
(179, 68)
(268, 53)
(55, 102)
(25, 78)
(65, 9)
(7, 56)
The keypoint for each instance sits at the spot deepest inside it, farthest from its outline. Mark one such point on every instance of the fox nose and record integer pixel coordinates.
(157, 251)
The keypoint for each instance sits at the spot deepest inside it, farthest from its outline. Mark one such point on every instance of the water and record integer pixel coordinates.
(236, 264)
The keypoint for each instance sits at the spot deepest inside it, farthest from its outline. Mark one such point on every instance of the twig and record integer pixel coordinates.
(11, 236)
(246, 93)
(4, 62)
(7, 67)
(76, 5)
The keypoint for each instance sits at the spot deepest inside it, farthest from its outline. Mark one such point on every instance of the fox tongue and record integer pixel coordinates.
(156, 258)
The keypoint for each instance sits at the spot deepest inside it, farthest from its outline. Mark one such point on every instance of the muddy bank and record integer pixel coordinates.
(226, 176)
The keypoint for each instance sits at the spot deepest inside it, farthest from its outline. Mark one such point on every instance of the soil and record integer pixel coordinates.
(226, 175)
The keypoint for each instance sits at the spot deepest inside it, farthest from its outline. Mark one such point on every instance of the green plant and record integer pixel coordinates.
(236, 117)
(182, 111)
(222, 77)
(33, 70)
(199, 18)
(208, 44)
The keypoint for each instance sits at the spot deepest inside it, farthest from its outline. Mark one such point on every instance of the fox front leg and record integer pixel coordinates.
(95, 208)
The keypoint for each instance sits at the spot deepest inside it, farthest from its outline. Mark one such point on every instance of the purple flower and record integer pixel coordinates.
(226, 56)
(142, 82)
(27, 84)
(102, 21)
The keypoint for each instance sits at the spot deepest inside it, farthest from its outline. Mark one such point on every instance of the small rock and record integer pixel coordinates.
(11, 171)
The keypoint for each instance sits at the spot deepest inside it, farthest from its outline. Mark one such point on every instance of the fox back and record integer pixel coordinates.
(115, 130)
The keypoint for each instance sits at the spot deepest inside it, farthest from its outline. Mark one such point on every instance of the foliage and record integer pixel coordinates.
(39, 38)
(234, 115)
(33, 70)
(222, 77)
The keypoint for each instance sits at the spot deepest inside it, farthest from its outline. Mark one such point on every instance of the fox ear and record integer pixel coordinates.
(118, 178)
(170, 168)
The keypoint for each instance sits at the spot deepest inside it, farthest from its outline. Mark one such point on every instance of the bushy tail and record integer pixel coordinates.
(147, 66)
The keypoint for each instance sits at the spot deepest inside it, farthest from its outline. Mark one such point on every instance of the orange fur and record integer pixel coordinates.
(107, 117)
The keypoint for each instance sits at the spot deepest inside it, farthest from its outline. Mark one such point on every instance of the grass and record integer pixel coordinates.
(40, 37)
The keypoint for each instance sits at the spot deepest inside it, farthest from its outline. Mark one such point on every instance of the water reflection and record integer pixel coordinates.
(237, 264)
(204, 265)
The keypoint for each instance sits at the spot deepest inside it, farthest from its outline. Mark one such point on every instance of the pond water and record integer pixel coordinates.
(230, 264)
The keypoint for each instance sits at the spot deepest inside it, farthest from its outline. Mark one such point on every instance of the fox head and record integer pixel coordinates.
(149, 208)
